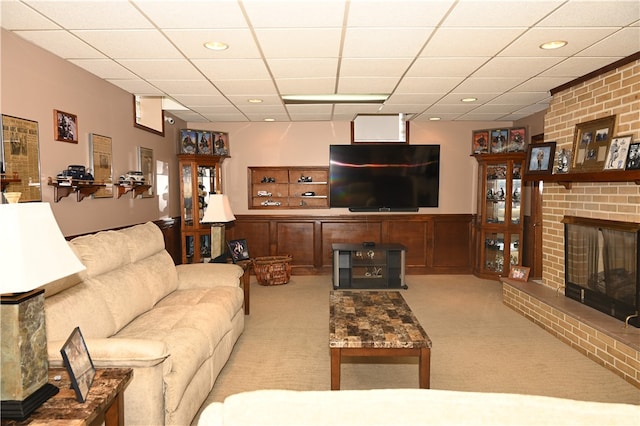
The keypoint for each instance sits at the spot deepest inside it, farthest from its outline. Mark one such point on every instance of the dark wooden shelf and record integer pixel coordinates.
(566, 179)
(5, 181)
(135, 189)
(82, 189)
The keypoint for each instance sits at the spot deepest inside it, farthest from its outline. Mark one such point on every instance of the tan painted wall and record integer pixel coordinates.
(35, 82)
(616, 92)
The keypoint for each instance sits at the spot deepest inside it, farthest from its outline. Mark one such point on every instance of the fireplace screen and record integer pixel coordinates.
(601, 259)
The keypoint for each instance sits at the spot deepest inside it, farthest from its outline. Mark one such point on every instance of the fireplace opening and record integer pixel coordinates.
(601, 265)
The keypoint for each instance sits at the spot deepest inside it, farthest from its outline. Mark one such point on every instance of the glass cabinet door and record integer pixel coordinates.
(494, 252)
(187, 195)
(496, 193)
(516, 193)
(206, 187)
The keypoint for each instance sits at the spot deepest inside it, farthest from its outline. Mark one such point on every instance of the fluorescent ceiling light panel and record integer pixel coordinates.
(335, 99)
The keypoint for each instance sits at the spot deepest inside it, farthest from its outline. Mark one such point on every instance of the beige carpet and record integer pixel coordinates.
(478, 345)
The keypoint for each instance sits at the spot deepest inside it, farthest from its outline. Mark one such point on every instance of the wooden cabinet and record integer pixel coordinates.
(288, 187)
(500, 214)
(199, 177)
(366, 266)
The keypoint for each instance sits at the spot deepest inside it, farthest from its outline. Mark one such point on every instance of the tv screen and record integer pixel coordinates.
(387, 177)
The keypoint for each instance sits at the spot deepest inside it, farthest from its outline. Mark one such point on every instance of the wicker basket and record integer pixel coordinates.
(272, 270)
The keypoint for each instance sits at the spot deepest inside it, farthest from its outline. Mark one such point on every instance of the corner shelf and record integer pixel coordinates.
(135, 189)
(567, 179)
(81, 188)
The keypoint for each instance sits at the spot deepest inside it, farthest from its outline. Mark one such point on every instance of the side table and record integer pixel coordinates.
(246, 280)
(105, 402)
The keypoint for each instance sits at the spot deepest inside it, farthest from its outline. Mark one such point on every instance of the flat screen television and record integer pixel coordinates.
(385, 177)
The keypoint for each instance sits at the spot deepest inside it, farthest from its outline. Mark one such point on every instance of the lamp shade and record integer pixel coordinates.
(33, 250)
(218, 210)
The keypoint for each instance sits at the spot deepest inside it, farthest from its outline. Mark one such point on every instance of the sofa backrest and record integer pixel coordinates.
(128, 272)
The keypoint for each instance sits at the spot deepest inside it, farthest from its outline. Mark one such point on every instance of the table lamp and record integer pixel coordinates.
(218, 213)
(33, 253)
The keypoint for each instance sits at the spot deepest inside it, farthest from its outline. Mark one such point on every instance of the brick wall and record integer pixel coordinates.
(616, 92)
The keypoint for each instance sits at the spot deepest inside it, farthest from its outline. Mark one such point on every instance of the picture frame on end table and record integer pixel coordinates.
(78, 363)
(65, 126)
(617, 154)
(591, 144)
(519, 273)
(239, 250)
(540, 158)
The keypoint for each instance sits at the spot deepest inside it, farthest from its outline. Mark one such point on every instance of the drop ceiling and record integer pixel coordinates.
(427, 55)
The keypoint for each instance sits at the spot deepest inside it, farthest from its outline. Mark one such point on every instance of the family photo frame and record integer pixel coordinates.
(78, 364)
(65, 126)
(591, 144)
(540, 158)
(519, 273)
(618, 153)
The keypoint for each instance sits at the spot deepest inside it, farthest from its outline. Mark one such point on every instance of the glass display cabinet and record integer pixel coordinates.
(499, 216)
(199, 177)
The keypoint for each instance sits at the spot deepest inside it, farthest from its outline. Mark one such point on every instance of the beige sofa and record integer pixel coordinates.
(406, 407)
(174, 325)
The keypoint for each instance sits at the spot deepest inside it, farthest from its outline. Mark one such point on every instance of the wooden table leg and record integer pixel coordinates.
(246, 280)
(114, 416)
(336, 358)
(424, 364)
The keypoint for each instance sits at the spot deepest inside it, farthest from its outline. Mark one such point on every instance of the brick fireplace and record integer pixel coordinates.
(613, 90)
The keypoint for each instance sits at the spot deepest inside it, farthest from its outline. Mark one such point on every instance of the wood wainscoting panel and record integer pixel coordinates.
(436, 244)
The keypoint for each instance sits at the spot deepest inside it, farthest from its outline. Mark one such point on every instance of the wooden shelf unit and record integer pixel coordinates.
(135, 189)
(283, 187)
(82, 189)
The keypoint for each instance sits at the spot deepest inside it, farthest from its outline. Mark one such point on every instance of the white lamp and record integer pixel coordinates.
(33, 253)
(218, 213)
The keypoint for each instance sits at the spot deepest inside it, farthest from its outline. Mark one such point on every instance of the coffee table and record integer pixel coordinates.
(375, 323)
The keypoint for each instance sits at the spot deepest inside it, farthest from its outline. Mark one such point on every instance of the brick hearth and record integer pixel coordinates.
(600, 337)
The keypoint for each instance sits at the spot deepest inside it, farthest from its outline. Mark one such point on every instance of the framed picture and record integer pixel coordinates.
(65, 126)
(220, 143)
(517, 139)
(499, 139)
(633, 158)
(188, 141)
(101, 160)
(78, 363)
(239, 250)
(205, 144)
(540, 158)
(591, 143)
(617, 154)
(563, 161)
(480, 143)
(519, 273)
(145, 165)
(20, 158)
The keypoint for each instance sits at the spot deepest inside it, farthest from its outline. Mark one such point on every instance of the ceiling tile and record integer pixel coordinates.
(367, 13)
(576, 67)
(95, 14)
(138, 86)
(499, 13)
(192, 14)
(162, 69)
(618, 44)
(191, 43)
(61, 43)
(384, 42)
(295, 13)
(300, 42)
(130, 44)
(578, 39)
(378, 67)
(367, 84)
(516, 67)
(594, 14)
(304, 68)
(307, 86)
(451, 67)
(469, 42)
(15, 15)
(185, 87)
(104, 68)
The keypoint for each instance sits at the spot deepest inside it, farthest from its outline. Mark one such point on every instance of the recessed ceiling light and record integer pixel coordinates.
(335, 99)
(254, 101)
(216, 45)
(434, 118)
(469, 99)
(269, 119)
(556, 44)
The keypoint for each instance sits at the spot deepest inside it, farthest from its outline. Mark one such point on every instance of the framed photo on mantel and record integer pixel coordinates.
(591, 144)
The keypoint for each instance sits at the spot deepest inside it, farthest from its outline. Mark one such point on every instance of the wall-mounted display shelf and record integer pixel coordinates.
(288, 187)
(5, 181)
(81, 188)
(135, 189)
(566, 179)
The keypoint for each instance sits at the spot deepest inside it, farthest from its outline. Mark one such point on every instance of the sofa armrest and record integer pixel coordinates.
(198, 275)
(114, 353)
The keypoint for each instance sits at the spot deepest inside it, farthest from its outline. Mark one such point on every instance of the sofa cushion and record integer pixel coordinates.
(143, 240)
(227, 298)
(102, 252)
